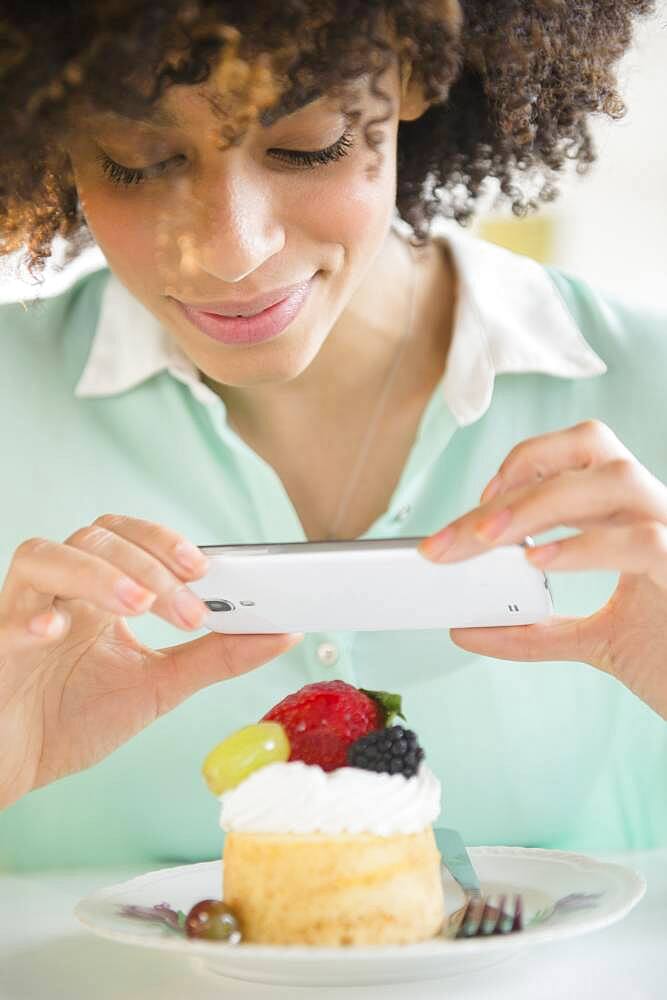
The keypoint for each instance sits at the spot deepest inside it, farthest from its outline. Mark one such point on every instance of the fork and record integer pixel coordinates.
(480, 916)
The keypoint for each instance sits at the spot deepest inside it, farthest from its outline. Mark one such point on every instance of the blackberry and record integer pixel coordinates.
(394, 750)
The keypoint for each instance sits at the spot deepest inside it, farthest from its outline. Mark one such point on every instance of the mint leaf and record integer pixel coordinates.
(389, 703)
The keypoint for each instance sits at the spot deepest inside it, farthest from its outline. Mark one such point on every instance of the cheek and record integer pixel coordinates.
(360, 213)
(364, 202)
(126, 237)
(124, 227)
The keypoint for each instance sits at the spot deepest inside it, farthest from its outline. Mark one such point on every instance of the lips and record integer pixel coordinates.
(248, 307)
(253, 321)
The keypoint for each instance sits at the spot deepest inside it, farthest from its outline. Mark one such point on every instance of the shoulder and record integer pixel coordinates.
(44, 317)
(43, 339)
(632, 341)
(630, 337)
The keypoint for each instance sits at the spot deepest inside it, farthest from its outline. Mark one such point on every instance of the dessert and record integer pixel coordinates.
(328, 807)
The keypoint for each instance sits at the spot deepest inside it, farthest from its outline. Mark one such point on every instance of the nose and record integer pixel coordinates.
(239, 230)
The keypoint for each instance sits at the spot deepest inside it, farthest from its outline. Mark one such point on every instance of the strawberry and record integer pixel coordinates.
(322, 720)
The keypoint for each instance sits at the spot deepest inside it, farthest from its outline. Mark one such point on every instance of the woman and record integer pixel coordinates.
(268, 359)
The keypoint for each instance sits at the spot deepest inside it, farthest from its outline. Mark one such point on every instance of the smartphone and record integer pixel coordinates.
(366, 584)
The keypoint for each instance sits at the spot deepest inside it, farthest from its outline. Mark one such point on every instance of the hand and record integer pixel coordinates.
(74, 681)
(584, 478)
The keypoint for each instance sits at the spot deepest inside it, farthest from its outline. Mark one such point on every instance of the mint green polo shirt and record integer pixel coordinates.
(101, 412)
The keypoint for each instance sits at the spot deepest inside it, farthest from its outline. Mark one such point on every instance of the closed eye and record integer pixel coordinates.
(315, 157)
(118, 173)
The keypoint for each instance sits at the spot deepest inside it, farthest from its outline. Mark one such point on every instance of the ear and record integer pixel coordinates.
(413, 103)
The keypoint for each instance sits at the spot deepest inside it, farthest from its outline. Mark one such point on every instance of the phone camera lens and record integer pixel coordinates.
(219, 605)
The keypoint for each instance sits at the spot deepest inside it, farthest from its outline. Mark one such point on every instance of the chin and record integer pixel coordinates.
(265, 364)
(267, 374)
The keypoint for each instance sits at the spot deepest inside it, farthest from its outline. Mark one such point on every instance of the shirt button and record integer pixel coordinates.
(403, 512)
(327, 654)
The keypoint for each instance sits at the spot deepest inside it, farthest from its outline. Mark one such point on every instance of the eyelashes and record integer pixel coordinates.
(317, 157)
(299, 158)
(118, 174)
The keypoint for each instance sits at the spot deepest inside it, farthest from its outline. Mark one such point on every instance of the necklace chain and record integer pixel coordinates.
(373, 424)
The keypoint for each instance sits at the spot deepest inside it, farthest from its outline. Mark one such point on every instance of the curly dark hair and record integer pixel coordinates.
(511, 85)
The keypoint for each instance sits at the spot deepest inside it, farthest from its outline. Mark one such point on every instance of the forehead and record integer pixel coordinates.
(181, 103)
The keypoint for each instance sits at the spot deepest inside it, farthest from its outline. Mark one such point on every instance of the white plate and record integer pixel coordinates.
(564, 895)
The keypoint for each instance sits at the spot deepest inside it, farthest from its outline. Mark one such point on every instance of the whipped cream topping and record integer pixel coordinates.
(295, 797)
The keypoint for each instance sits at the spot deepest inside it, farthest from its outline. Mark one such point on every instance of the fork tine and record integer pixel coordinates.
(490, 916)
(472, 918)
(500, 912)
(507, 921)
(467, 928)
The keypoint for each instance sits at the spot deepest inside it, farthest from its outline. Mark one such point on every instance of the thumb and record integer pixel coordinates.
(178, 671)
(559, 638)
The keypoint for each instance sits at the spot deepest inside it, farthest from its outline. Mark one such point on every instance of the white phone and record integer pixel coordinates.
(366, 584)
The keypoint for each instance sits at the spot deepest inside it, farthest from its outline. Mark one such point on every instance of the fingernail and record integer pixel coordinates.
(436, 546)
(134, 597)
(493, 526)
(189, 607)
(48, 625)
(542, 554)
(491, 489)
(190, 557)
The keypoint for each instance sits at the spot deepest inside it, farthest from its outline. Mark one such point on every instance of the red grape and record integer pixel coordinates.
(212, 920)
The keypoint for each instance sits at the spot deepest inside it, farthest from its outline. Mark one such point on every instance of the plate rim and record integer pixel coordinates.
(433, 949)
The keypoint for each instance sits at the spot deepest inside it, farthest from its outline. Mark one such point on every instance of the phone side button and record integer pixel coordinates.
(327, 654)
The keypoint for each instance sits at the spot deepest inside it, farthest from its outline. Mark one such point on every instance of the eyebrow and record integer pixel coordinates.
(168, 119)
(289, 107)
(155, 116)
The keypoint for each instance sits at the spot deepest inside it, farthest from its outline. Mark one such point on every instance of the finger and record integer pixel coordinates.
(601, 492)
(558, 639)
(178, 671)
(176, 552)
(42, 570)
(538, 458)
(174, 602)
(638, 548)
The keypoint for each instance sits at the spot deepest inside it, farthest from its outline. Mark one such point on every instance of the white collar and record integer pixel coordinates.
(509, 317)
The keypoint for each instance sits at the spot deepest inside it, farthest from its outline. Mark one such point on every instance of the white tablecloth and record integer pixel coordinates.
(45, 954)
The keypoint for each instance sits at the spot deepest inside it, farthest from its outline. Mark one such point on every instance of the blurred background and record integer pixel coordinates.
(607, 227)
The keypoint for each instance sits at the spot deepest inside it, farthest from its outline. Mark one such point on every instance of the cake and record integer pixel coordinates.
(328, 808)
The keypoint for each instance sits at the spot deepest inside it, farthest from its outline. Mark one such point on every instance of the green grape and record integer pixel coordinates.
(245, 751)
(212, 920)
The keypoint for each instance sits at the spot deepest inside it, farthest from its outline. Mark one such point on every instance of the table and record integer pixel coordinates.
(45, 954)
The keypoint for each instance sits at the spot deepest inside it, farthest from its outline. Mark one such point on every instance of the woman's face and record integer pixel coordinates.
(294, 214)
